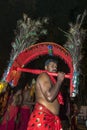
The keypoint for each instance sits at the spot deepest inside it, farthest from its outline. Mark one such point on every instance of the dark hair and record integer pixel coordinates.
(50, 60)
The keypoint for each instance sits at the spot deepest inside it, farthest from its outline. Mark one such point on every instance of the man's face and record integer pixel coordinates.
(51, 67)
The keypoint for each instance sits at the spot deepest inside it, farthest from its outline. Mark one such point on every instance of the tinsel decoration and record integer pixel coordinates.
(3, 85)
(75, 39)
(27, 33)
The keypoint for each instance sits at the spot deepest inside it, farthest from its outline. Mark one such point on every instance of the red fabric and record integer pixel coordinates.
(32, 53)
(42, 119)
(10, 123)
(11, 113)
(59, 97)
(24, 117)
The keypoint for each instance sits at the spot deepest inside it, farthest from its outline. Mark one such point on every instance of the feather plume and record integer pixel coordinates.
(27, 33)
(75, 39)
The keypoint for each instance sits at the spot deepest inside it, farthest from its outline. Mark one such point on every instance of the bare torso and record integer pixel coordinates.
(43, 85)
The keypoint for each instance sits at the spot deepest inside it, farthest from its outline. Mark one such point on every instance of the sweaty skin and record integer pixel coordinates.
(46, 91)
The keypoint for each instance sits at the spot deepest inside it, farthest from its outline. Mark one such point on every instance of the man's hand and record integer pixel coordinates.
(61, 76)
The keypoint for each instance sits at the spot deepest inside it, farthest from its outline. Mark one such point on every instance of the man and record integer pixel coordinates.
(46, 110)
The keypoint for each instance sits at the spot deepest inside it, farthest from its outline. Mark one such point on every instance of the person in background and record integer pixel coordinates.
(10, 116)
(75, 112)
(25, 109)
(48, 100)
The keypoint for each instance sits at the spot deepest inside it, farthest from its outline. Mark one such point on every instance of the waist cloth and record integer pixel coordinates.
(42, 119)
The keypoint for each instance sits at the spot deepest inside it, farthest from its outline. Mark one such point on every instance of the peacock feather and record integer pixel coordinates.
(74, 44)
(26, 33)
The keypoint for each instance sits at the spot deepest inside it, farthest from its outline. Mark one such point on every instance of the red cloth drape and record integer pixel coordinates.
(42, 119)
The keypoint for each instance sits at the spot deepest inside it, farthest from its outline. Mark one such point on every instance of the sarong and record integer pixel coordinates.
(24, 118)
(42, 119)
(8, 122)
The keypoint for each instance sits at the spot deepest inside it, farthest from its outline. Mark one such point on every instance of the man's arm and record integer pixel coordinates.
(50, 91)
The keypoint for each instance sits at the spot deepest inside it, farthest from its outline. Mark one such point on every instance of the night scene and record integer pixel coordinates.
(43, 65)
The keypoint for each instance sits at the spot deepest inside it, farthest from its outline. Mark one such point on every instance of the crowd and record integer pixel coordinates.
(16, 108)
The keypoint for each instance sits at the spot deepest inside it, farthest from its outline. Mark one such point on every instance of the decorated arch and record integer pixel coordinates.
(34, 51)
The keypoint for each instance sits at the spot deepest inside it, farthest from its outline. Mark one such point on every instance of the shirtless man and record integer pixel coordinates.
(46, 110)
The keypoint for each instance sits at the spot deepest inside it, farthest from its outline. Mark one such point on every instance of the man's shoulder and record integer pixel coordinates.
(42, 75)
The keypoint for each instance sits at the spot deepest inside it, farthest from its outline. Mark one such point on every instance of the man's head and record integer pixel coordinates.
(51, 65)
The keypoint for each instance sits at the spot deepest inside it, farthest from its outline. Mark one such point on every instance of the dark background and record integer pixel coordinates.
(59, 12)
